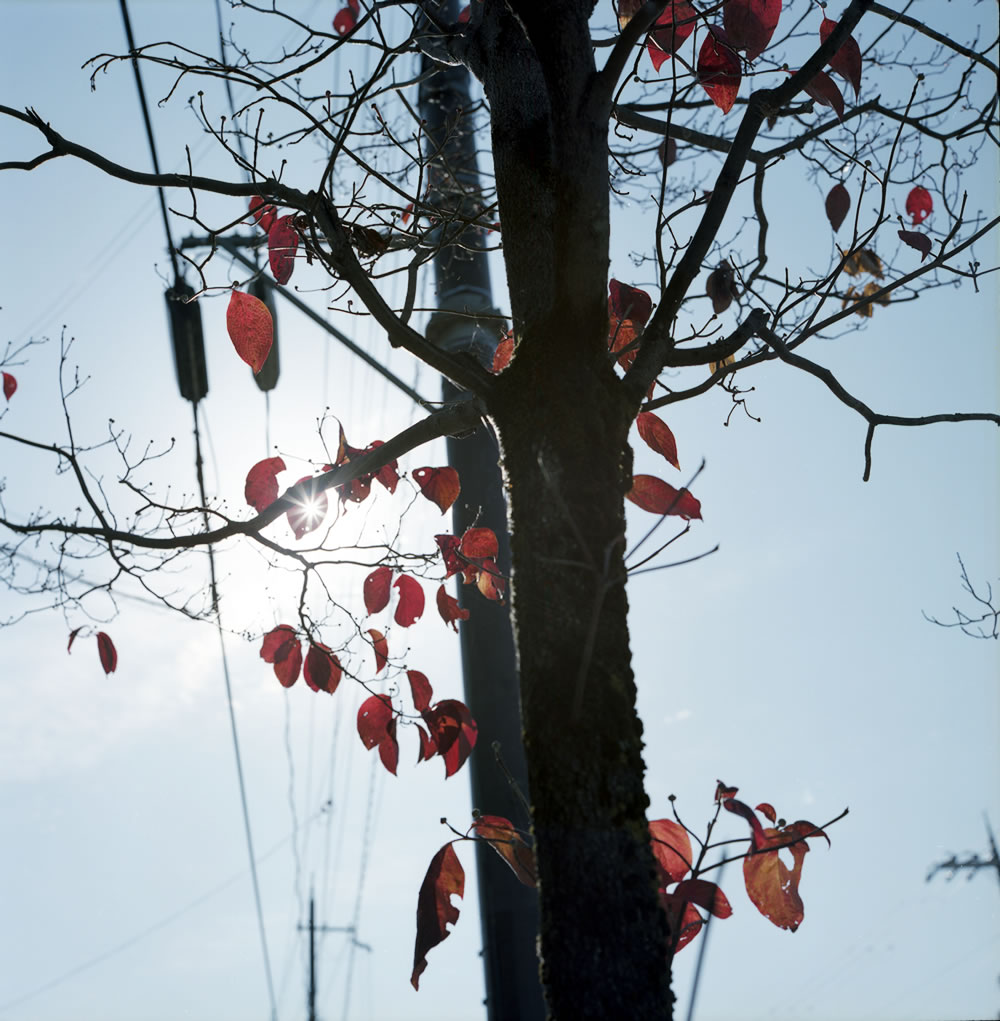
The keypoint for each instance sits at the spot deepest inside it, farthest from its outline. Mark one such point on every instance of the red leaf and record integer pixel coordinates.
(625, 302)
(374, 716)
(388, 474)
(691, 924)
(671, 848)
(261, 489)
(410, 607)
(824, 90)
(503, 353)
(427, 747)
(771, 885)
(381, 649)
(439, 485)
(448, 545)
(509, 844)
(449, 609)
(72, 638)
(388, 750)
(739, 808)
(377, 589)
(308, 513)
(283, 649)
(838, 203)
(750, 24)
(9, 385)
(106, 650)
(706, 895)
(490, 581)
(250, 328)
(346, 18)
(721, 287)
(322, 670)
(657, 435)
(919, 205)
(463, 15)
(454, 732)
(672, 27)
(434, 908)
(719, 69)
(479, 543)
(420, 689)
(659, 497)
(918, 240)
(282, 241)
(263, 213)
(767, 810)
(722, 792)
(847, 60)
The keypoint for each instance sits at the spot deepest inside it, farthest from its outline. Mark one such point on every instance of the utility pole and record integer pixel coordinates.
(508, 910)
(313, 928)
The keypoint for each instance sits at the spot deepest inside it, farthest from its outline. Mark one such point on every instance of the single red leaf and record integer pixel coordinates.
(449, 609)
(659, 497)
(689, 924)
(706, 895)
(838, 203)
(739, 808)
(626, 302)
(388, 474)
(919, 205)
(427, 747)
(250, 328)
(388, 749)
(72, 637)
(439, 485)
(322, 670)
(9, 385)
(671, 849)
(771, 885)
(750, 24)
(672, 27)
(448, 545)
(719, 69)
(282, 242)
(308, 512)
(377, 589)
(509, 844)
(464, 14)
(722, 792)
(374, 716)
(847, 60)
(261, 489)
(657, 435)
(263, 213)
(503, 353)
(282, 648)
(346, 18)
(766, 809)
(454, 732)
(381, 649)
(824, 90)
(107, 652)
(490, 581)
(420, 689)
(721, 287)
(434, 908)
(410, 607)
(918, 240)
(479, 543)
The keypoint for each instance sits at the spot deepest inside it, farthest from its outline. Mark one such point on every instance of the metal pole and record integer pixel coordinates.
(509, 910)
(312, 957)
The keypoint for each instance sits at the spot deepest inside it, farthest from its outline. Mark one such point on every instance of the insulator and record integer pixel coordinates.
(267, 378)
(188, 340)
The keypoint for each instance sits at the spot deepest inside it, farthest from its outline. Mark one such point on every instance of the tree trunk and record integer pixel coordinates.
(603, 934)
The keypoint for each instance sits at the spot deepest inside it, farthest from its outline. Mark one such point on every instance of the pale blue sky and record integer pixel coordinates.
(794, 663)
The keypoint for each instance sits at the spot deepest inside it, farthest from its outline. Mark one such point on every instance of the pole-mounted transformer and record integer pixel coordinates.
(267, 378)
(188, 340)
